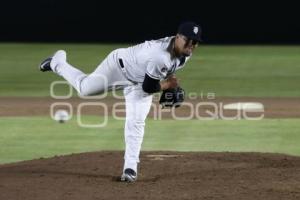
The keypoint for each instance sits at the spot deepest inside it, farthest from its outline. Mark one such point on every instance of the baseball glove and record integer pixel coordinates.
(172, 97)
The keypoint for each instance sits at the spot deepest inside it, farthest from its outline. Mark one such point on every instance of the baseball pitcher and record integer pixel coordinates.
(140, 71)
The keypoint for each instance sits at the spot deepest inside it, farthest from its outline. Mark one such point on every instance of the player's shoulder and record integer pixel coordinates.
(163, 40)
(159, 48)
(160, 57)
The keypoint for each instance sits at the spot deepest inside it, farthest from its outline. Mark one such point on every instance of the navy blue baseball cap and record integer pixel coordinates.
(190, 30)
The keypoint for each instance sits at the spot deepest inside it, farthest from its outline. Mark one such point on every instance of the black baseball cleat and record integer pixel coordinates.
(45, 65)
(129, 175)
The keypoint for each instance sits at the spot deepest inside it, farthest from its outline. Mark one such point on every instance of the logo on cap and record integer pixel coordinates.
(196, 29)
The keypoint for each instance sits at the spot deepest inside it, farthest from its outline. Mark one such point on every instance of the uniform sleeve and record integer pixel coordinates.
(156, 70)
(151, 85)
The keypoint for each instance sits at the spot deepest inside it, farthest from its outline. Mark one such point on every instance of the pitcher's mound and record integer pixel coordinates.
(162, 175)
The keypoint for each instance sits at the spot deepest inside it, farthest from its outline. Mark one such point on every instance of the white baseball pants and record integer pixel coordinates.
(106, 76)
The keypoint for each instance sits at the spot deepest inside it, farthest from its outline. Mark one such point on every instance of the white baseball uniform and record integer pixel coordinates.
(126, 68)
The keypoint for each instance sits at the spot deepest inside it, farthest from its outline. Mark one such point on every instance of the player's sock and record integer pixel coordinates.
(59, 58)
(131, 165)
(60, 66)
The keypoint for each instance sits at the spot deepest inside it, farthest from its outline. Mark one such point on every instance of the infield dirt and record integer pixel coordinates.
(162, 175)
(37, 106)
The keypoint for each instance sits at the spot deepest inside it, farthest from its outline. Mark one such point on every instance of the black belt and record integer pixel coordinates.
(121, 63)
(123, 67)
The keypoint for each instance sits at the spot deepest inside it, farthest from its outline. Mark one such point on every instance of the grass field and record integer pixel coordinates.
(35, 137)
(269, 71)
(254, 71)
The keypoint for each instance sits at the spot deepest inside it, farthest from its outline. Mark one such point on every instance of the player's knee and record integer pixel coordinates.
(84, 93)
(89, 86)
(89, 92)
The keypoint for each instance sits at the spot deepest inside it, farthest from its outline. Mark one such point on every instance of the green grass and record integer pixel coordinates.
(259, 71)
(19, 65)
(23, 138)
(256, 71)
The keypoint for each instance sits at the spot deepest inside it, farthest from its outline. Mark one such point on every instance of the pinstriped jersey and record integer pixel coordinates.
(152, 58)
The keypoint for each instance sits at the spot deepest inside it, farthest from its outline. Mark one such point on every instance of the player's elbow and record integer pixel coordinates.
(150, 90)
(151, 85)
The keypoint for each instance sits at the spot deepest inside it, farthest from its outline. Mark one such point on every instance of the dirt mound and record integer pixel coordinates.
(162, 175)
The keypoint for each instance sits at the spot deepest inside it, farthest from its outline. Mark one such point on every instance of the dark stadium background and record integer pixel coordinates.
(226, 22)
